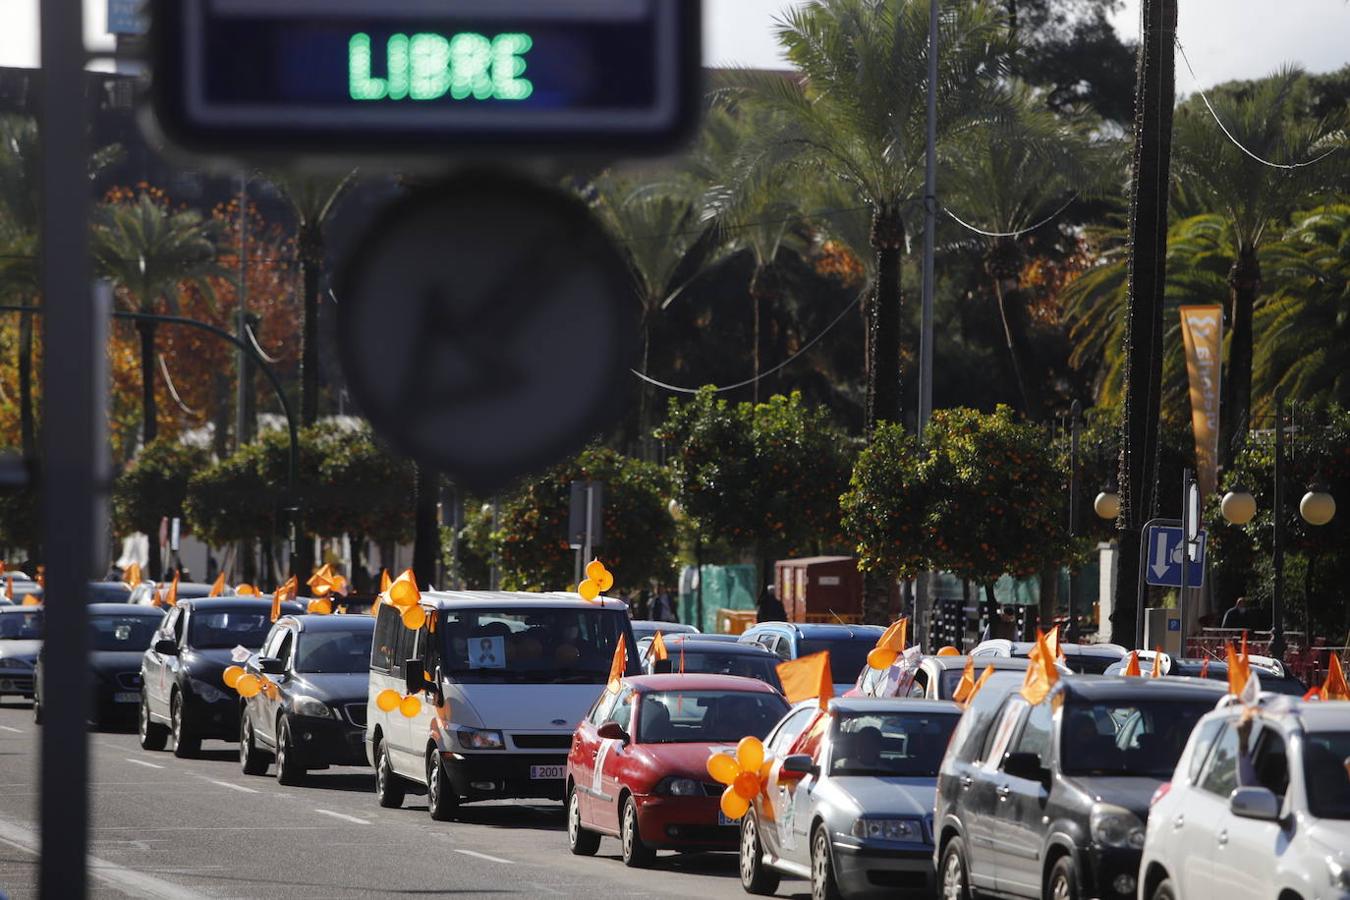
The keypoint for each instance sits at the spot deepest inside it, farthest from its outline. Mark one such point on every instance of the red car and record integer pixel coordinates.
(638, 769)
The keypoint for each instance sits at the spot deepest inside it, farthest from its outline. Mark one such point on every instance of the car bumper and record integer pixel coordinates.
(488, 776)
(115, 703)
(684, 823)
(869, 870)
(217, 719)
(1108, 870)
(16, 683)
(327, 742)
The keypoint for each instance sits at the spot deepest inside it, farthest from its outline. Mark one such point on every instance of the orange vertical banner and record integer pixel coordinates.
(1202, 332)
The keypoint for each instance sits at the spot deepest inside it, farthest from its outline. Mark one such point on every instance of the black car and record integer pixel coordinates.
(692, 654)
(1051, 800)
(183, 692)
(118, 636)
(1274, 682)
(317, 715)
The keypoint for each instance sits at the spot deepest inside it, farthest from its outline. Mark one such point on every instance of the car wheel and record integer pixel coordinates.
(823, 885)
(153, 735)
(756, 877)
(389, 788)
(185, 743)
(252, 760)
(289, 770)
(955, 882)
(636, 854)
(441, 797)
(581, 841)
(1063, 883)
(37, 711)
(1165, 890)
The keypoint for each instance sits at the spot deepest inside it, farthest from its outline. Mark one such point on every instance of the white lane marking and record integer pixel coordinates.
(343, 816)
(129, 881)
(141, 762)
(14, 730)
(234, 787)
(496, 859)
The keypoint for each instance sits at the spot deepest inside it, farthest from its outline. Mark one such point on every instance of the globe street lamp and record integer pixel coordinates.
(1107, 504)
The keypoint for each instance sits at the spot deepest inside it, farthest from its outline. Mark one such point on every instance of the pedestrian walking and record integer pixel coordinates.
(663, 608)
(1237, 616)
(770, 607)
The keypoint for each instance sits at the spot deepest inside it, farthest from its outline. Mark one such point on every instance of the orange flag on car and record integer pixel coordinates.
(807, 677)
(965, 688)
(171, 596)
(218, 586)
(984, 676)
(1132, 667)
(1041, 675)
(1204, 668)
(617, 666)
(658, 650)
(1335, 688)
(1157, 671)
(890, 645)
(132, 576)
(1242, 682)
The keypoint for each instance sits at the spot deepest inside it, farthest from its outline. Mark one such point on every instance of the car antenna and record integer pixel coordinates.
(836, 617)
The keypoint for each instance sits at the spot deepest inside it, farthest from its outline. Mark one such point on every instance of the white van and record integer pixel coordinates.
(503, 680)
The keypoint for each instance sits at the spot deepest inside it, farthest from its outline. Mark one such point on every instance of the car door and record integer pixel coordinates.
(282, 645)
(585, 747)
(1247, 851)
(609, 758)
(154, 668)
(796, 831)
(420, 726)
(253, 706)
(176, 630)
(1018, 827)
(1196, 836)
(398, 730)
(779, 744)
(980, 803)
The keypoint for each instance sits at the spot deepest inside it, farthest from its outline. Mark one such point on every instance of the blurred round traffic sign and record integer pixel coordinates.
(486, 325)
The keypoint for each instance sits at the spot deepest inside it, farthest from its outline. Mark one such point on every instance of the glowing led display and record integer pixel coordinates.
(427, 66)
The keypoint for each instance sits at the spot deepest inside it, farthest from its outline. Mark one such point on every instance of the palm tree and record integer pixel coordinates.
(312, 199)
(1268, 121)
(1011, 177)
(151, 253)
(857, 114)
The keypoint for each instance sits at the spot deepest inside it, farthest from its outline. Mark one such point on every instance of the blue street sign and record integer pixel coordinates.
(126, 17)
(1162, 560)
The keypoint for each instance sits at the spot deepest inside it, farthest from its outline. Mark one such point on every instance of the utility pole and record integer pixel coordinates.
(929, 231)
(1075, 416)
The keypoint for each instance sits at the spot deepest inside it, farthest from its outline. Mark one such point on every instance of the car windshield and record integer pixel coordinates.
(108, 592)
(847, 655)
(1124, 737)
(691, 717)
(761, 667)
(21, 626)
(217, 629)
(1326, 765)
(1088, 663)
(122, 632)
(330, 652)
(541, 646)
(901, 744)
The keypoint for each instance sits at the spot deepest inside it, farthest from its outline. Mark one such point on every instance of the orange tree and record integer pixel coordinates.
(762, 477)
(531, 538)
(153, 487)
(887, 511)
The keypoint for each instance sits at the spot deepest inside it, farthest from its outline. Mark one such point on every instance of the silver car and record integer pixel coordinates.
(849, 803)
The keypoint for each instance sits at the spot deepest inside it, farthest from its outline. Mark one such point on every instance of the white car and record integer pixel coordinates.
(1088, 659)
(1285, 836)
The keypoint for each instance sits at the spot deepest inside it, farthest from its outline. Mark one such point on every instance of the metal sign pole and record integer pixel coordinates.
(72, 430)
(1186, 526)
(587, 553)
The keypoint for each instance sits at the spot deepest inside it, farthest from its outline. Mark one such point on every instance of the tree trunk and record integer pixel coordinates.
(756, 300)
(27, 425)
(1004, 268)
(1154, 101)
(311, 267)
(149, 420)
(645, 390)
(427, 539)
(1244, 282)
(883, 376)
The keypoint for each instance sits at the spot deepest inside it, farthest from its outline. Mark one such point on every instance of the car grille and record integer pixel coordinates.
(18, 684)
(542, 741)
(129, 680)
(713, 789)
(356, 714)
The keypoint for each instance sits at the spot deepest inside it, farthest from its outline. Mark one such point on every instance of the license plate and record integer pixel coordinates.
(725, 820)
(127, 697)
(542, 772)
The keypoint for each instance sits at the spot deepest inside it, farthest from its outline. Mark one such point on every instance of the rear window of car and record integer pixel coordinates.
(218, 629)
(117, 632)
(899, 744)
(1086, 664)
(847, 655)
(1127, 737)
(761, 668)
(683, 717)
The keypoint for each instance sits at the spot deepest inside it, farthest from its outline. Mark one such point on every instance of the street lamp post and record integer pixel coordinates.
(1075, 414)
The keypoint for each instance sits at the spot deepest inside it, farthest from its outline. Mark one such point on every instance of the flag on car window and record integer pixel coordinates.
(966, 686)
(1132, 667)
(658, 648)
(1335, 688)
(1157, 671)
(616, 668)
(1042, 674)
(218, 586)
(807, 677)
(890, 645)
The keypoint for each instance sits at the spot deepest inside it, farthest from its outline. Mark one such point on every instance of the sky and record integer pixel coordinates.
(1224, 39)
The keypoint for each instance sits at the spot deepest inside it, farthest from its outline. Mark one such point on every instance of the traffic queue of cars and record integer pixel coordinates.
(1115, 786)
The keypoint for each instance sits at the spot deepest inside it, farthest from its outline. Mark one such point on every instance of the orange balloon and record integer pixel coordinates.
(723, 768)
(588, 590)
(594, 569)
(880, 658)
(605, 581)
(410, 706)
(321, 606)
(387, 700)
(733, 804)
(232, 675)
(747, 785)
(247, 590)
(949, 651)
(414, 617)
(248, 686)
(750, 753)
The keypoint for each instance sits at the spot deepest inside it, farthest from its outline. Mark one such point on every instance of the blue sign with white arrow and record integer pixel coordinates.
(1162, 564)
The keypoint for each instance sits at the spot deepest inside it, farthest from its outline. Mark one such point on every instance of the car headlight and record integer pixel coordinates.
(1338, 874)
(477, 739)
(1115, 826)
(308, 706)
(909, 831)
(208, 692)
(680, 787)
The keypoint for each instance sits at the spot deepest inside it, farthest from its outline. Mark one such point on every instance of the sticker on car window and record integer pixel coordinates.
(488, 653)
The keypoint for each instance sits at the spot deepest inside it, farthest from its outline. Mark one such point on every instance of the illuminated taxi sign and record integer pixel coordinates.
(394, 77)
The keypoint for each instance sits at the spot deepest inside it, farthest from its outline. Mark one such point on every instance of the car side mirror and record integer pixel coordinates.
(1254, 803)
(415, 676)
(270, 665)
(166, 647)
(612, 731)
(799, 765)
(1026, 765)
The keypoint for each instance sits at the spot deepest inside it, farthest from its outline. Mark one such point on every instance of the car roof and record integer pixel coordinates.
(1015, 663)
(680, 627)
(208, 603)
(515, 600)
(321, 623)
(1022, 648)
(701, 642)
(826, 631)
(697, 682)
(18, 608)
(862, 705)
(1124, 687)
(126, 609)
